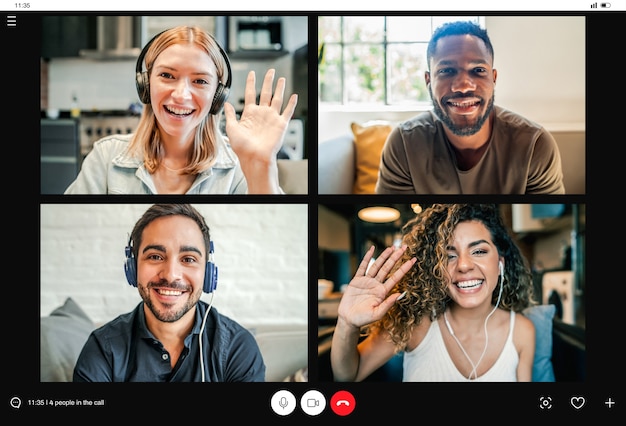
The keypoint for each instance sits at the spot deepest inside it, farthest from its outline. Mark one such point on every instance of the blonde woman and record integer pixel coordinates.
(177, 147)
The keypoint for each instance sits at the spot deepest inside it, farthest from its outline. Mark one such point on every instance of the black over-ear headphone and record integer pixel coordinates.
(142, 79)
(210, 275)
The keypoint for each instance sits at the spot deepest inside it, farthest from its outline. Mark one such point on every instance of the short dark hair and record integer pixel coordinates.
(458, 28)
(160, 210)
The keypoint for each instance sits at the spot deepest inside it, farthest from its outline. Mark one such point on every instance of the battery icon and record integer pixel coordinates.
(605, 5)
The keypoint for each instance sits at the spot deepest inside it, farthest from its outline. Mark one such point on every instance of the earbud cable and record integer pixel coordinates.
(206, 314)
(474, 371)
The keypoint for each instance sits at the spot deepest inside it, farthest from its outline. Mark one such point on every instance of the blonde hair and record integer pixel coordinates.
(146, 141)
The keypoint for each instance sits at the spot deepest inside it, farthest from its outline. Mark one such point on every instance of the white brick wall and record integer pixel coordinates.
(261, 251)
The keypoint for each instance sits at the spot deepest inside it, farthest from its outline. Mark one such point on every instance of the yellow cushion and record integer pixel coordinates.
(369, 140)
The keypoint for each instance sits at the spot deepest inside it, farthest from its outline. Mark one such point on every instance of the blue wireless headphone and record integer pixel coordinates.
(210, 275)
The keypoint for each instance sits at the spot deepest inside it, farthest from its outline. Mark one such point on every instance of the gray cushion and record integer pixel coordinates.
(336, 165)
(62, 336)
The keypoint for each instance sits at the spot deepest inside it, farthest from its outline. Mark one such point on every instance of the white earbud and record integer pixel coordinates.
(501, 269)
(448, 325)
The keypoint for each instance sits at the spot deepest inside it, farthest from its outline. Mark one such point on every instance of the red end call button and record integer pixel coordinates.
(342, 403)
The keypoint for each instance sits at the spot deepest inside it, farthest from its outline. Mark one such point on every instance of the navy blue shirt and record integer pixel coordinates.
(124, 350)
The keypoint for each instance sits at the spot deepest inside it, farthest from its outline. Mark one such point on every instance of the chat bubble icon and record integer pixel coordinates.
(16, 402)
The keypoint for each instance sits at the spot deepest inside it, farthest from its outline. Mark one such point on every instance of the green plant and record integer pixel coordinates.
(320, 54)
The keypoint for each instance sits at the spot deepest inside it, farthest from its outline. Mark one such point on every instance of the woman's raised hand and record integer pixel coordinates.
(366, 298)
(258, 135)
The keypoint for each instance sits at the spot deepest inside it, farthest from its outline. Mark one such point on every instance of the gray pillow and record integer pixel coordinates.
(542, 316)
(62, 336)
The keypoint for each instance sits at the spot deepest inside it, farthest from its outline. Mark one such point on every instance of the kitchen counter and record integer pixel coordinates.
(94, 127)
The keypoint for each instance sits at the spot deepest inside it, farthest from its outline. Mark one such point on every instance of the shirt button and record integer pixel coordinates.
(165, 357)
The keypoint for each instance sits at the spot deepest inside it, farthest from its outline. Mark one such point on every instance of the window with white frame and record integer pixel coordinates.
(376, 60)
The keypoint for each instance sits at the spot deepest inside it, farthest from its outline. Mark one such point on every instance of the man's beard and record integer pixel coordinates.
(166, 315)
(464, 130)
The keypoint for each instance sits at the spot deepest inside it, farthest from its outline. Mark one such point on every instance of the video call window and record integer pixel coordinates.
(372, 78)
(550, 237)
(286, 260)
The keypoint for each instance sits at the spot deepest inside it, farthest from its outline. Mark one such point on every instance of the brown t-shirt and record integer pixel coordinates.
(522, 158)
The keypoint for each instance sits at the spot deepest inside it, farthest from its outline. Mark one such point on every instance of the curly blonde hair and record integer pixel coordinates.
(427, 237)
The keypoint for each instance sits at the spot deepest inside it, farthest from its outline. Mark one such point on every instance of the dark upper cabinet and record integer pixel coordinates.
(65, 36)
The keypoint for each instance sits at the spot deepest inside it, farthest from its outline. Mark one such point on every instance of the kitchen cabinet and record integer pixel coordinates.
(65, 36)
(153, 25)
(60, 157)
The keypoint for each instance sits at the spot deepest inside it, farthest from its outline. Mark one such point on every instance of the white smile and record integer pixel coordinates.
(179, 111)
(464, 104)
(169, 292)
(469, 284)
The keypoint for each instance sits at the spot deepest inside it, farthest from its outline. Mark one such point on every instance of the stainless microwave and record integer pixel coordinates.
(255, 33)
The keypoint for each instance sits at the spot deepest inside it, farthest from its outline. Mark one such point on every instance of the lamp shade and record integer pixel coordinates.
(379, 214)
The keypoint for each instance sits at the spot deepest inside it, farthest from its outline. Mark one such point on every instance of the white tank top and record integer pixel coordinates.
(430, 361)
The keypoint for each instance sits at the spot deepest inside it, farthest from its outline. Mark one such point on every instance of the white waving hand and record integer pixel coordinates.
(258, 135)
(366, 298)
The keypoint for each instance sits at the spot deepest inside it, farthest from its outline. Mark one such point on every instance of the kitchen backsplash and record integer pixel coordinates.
(102, 85)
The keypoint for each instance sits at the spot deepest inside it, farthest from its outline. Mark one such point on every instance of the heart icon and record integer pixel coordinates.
(577, 402)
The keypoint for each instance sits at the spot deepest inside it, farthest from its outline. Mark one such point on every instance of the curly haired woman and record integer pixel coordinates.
(450, 298)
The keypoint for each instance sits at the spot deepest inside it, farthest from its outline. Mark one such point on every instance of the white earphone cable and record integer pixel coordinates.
(474, 371)
(206, 314)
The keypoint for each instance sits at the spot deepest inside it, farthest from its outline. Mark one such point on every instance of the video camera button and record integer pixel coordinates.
(313, 402)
